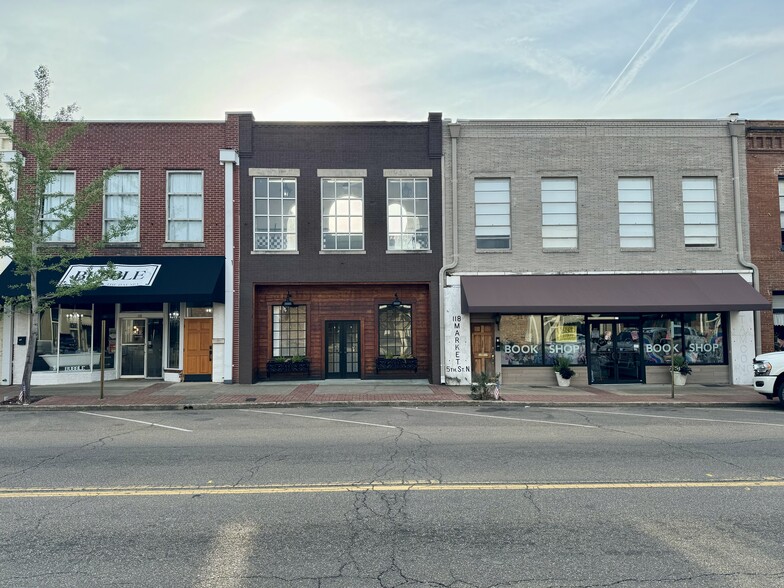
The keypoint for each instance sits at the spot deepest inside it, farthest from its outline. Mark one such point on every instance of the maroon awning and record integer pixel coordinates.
(631, 293)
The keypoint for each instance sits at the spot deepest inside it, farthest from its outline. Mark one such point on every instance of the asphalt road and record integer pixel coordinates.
(384, 496)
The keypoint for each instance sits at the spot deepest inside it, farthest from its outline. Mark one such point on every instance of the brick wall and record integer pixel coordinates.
(765, 164)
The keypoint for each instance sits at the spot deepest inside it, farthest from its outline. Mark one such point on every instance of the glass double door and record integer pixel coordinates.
(141, 341)
(615, 352)
(342, 352)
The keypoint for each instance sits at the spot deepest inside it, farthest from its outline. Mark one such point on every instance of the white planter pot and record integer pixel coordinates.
(563, 382)
(680, 379)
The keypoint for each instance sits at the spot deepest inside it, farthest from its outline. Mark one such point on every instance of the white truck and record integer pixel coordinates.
(769, 375)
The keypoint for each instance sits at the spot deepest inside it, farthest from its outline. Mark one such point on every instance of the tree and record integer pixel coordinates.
(33, 213)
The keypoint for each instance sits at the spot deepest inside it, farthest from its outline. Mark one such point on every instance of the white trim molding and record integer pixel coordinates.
(408, 173)
(341, 173)
(273, 172)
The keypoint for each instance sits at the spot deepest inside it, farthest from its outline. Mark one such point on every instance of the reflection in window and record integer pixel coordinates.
(185, 207)
(564, 336)
(121, 201)
(289, 331)
(703, 337)
(275, 214)
(57, 205)
(408, 225)
(66, 340)
(174, 336)
(342, 226)
(394, 330)
(521, 339)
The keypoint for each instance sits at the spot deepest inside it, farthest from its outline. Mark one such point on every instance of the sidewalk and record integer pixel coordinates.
(152, 395)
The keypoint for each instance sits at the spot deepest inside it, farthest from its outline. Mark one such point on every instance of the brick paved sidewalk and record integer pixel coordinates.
(142, 394)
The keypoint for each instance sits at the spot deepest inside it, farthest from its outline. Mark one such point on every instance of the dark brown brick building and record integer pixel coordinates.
(340, 249)
(765, 177)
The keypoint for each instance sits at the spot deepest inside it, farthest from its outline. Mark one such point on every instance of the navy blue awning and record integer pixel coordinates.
(176, 278)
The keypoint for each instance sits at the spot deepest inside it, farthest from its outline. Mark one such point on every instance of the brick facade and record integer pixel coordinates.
(307, 148)
(765, 165)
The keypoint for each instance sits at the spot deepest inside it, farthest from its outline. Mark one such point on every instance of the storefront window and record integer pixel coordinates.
(198, 312)
(703, 337)
(65, 341)
(521, 339)
(289, 331)
(564, 336)
(656, 337)
(394, 330)
(174, 336)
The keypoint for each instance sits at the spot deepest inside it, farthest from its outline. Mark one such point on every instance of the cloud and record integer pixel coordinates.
(713, 73)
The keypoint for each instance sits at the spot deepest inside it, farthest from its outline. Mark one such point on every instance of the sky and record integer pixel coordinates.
(364, 60)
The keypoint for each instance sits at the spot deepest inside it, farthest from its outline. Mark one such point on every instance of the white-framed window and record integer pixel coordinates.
(559, 213)
(185, 206)
(275, 214)
(121, 200)
(59, 200)
(408, 217)
(493, 228)
(781, 210)
(342, 214)
(635, 212)
(700, 216)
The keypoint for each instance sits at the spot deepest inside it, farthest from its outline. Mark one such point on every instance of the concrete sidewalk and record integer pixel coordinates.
(150, 394)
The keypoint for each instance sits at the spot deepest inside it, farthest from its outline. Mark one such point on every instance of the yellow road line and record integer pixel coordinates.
(381, 487)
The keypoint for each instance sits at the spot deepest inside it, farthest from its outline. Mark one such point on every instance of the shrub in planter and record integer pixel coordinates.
(561, 367)
(291, 364)
(482, 386)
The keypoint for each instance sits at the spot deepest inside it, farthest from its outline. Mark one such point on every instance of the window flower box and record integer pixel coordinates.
(396, 364)
(288, 365)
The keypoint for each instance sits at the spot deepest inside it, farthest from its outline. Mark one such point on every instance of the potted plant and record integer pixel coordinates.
(563, 370)
(680, 369)
(483, 386)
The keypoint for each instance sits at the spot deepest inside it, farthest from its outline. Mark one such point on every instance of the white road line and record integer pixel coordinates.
(656, 416)
(227, 561)
(106, 416)
(492, 416)
(304, 416)
(717, 409)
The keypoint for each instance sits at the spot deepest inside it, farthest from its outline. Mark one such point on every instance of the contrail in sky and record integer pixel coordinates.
(712, 73)
(638, 60)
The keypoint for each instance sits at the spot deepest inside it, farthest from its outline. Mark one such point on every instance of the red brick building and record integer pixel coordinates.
(168, 315)
(765, 178)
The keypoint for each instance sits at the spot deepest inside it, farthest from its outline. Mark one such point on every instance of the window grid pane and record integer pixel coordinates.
(493, 216)
(559, 213)
(275, 214)
(394, 330)
(289, 330)
(342, 221)
(185, 207)
(635, 212)
(408, 217)
(781, 210)
(122, 200)
(58, 202)
(700, 218)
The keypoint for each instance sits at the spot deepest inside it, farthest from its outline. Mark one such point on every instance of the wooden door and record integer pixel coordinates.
(197, 353)
(482, 349)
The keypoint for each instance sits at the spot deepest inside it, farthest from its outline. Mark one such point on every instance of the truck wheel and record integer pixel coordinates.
(781, 394)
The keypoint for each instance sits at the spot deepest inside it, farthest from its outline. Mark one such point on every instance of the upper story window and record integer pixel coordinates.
(408, 219)
(342, 214)
(781, 210)
(635, 212)
(559, 213)
(700, 217)
(493, 229)
(275, 214)
(121, 200)
(185, 207)
(59, 199)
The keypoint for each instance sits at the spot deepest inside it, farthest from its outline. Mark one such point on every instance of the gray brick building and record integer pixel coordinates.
(612, 243)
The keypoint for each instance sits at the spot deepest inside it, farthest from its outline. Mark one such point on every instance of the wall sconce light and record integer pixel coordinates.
(396, 302)
(287, 303)
(497, 318)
